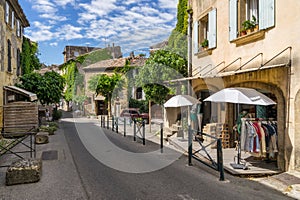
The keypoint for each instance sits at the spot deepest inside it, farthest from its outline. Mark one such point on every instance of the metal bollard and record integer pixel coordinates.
(134, 131)
(113, 123)
(117, 124)
(144, 139)
(161, 138)
(107, 122)
(190, 147)
(220, 159)
(124, 127)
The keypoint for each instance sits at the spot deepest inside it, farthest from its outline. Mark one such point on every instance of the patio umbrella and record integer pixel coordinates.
(240, 95)
(180, 101)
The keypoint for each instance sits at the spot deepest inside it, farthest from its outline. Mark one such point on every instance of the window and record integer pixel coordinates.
(139, 93)
(261, 12)
(18, 62)
(205, 32)
(8, 56)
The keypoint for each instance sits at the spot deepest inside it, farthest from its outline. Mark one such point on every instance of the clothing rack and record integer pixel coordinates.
(238, 165)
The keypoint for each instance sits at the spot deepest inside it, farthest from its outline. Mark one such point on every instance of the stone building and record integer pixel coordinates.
(71, 52)
(96, 105)
(12, 23)
(265, 58)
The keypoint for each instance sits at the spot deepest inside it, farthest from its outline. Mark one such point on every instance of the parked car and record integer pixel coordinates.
(134, 113)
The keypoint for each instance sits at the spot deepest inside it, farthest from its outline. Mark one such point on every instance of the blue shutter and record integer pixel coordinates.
(266, 13)
(233, 19)
(212, 29)
(196, 45)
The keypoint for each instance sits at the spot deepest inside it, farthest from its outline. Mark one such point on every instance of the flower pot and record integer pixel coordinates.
(242, 33)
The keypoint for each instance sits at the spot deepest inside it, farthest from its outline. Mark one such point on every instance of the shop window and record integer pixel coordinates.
(8, 56)
(205, 32)
(250, 15)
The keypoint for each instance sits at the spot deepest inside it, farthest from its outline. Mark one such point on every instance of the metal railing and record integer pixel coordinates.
(209, 161)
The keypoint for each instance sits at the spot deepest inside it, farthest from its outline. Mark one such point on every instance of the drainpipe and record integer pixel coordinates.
(190, 18)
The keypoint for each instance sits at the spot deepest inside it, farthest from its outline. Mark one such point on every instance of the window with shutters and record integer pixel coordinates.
(248, 16)
(205, 32)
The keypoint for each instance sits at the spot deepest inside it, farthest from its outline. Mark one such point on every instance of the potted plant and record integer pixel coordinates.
(250, 25)
(243, 32)
(255, 23)
(204, 44)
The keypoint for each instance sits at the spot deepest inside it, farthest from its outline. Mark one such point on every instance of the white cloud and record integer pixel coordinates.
(53, 17)
(168, 3)
(69, 32)
(53, 44)
(63, 3)
(99, 7)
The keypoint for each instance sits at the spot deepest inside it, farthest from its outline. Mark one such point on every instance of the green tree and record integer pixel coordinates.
(106, 86)
(160, 67)
(48, 87)
(29, 56)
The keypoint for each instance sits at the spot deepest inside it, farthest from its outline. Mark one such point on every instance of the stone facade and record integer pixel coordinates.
(71, 52)
(266, 59)
(107, 67)
(12, 20)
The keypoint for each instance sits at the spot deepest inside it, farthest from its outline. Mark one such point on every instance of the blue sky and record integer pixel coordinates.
(132, 24)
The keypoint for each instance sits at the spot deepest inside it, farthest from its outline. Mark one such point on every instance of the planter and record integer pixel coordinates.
(204, 48)
(242, 33)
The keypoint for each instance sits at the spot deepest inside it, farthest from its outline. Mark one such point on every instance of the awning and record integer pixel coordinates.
(30, 95)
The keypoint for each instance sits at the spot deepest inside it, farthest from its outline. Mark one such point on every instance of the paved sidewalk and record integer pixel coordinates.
(59, 178)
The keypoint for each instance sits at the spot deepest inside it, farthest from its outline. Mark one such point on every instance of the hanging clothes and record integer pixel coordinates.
(259, 137)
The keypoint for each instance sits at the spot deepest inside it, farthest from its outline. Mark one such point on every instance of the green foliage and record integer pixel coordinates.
(71, 72)
(107, 84)
(95, 56)
(249, 24)
(160, 67)
(204, 43)
(143, 105)
(47, 87)
(29, 56)
(56, 115)
(177, 42)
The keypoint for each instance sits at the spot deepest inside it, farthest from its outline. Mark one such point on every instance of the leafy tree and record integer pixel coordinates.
(160, 67)
(29, 56)
(106, 86)
(47, 87)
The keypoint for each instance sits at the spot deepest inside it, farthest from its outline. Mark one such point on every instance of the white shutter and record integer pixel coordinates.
(196, 35)
(233, 19)
(13, 20)
(18, 28)
(7, 13)
(266, 13)
(212, 29)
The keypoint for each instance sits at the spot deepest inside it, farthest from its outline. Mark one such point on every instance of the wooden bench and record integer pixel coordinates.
(20, 123)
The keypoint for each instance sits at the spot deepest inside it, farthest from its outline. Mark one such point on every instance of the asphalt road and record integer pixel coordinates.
(125, 169)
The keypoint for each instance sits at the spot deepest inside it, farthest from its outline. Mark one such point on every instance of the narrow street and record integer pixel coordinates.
(116, 178)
